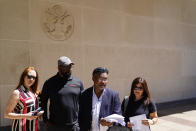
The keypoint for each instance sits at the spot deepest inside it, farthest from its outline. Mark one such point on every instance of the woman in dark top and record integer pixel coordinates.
(139, 102)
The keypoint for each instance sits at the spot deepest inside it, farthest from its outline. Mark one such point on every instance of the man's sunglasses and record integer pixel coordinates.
(31, 77)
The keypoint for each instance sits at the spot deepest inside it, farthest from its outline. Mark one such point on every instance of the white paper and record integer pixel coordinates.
(137, 122)
(115, 118)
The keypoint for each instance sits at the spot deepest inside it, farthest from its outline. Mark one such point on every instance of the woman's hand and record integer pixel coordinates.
(129, 125)
(29, 116)
(40, 113)
(147, 122)
(152, 121)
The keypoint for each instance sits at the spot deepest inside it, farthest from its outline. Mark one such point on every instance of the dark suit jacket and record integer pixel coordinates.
(110, 105)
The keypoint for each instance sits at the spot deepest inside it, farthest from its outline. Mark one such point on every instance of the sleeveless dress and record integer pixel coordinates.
(28, 102)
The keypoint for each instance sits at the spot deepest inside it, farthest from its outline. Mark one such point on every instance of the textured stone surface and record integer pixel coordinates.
(5, 92)
(14, 21)
(154, 39)
(14, 58)
(101, 26)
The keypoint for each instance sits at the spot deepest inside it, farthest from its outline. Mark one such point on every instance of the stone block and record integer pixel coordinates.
(189, 33)
(5, 92)
(168, 34)
(14, 59)
(188, 12)
(14, 22)
(139, 7)
(139, 30)
(101, 26)
(168, 10)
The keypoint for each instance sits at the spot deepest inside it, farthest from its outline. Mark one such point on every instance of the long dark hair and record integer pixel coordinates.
(34, 87)
(146, 93)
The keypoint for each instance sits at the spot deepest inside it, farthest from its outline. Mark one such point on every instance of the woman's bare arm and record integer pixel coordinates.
(152, 121)
(154, 117)
(12, 102)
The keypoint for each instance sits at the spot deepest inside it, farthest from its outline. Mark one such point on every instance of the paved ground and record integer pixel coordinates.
(173, 116)
(176, 116)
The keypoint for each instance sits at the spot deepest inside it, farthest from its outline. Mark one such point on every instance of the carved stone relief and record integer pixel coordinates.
(57, 22)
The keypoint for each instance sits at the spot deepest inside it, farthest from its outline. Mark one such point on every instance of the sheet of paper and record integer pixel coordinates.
(137, 122)
(115, 118)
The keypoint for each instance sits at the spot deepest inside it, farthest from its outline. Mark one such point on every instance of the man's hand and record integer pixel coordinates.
(105, 123)
(129, 124)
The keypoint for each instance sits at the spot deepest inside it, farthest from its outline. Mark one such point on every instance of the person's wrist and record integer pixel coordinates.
(151, 122)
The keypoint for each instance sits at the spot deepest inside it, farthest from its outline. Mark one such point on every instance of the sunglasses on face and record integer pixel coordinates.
(31, 77)
(138, 88)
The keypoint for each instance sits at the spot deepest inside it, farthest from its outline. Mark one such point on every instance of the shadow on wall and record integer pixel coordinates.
(174, 107)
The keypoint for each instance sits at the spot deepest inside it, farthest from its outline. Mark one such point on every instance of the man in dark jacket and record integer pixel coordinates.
(63, 90)
(98, 102)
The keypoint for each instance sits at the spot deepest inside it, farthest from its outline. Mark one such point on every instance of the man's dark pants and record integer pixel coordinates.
(52, 127)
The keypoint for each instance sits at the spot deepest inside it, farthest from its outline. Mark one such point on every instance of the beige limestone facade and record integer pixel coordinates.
(155, 39)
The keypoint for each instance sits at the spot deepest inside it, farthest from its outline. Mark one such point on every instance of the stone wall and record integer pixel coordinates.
(154, 39)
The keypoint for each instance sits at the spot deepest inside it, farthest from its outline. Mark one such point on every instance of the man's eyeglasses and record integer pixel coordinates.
(31, 77)
(102, 79)
(138, 88)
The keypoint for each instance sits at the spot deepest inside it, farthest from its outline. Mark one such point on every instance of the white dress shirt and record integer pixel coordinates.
(96, 105)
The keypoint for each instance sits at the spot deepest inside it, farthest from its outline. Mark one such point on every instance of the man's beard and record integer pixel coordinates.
(66, 75)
